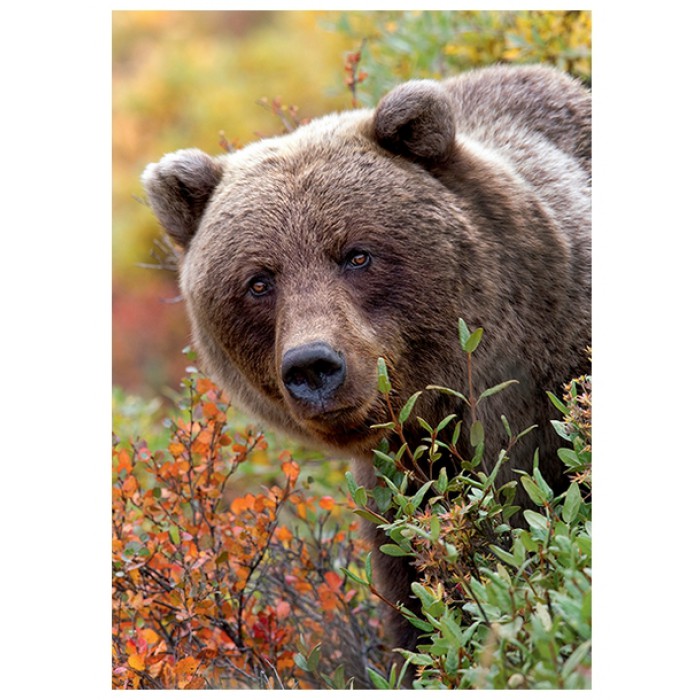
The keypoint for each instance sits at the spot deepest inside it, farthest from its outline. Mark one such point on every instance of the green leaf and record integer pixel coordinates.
(442, 481)
(300, 661)
(174, 533)
(522, 433)
(418, 497)
(476, 433)
(533, 490)
(313, 658)
(370, 516)
(360, 496)
(502, 455)
(382, 497)
(378, 681)
(447, 390)
(473, 340)
(456, 433)
(536, 521)
(380, 426)
(426, 598)
(416, 621)
(390, 484)
(383, 458)
(339, 677)
(406, 410)
(451, 661)
(383, 383)
(352, 484)
(464, 333)
(419, 451)
(577, 657)
(558, 403)
(572, 503)
(451, 553)
(507, 557)
(311, 663)
(445, 421)
(400, 452)
(569, 457)
(368, 567)
(353, 577)
(542, 484)
(420, 659)
(495, 389)
(506, 425)
(393, 550)
(425, 425)
(562, 429)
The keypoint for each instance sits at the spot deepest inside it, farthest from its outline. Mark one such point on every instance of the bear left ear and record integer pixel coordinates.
(416, 119)
(179, 187)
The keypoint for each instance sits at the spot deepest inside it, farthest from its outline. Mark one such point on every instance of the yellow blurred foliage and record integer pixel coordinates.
(180, 78)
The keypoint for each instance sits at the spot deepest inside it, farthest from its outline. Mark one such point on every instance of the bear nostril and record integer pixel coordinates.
(313, 373)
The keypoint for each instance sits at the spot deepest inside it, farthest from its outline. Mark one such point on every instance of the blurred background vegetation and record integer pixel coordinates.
(182, 79)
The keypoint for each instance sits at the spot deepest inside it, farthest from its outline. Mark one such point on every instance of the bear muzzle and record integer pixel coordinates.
(313, 374)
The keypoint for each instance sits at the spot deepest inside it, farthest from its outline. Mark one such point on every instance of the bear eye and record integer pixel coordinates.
(260, 286)
(357, 260)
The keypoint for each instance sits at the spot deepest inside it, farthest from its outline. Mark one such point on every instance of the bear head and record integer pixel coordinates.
(303, 257)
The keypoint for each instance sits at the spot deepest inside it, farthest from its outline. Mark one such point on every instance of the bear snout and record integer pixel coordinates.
(313, 373)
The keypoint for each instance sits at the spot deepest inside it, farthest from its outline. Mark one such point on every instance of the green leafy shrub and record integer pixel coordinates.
(502, 606)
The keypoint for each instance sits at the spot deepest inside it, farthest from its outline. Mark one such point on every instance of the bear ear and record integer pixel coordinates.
(179, 187)
(416, 119)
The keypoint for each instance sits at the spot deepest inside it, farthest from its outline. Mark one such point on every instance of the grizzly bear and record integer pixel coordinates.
(368, 234)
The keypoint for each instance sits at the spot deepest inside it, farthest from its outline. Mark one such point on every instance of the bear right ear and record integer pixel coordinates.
(416, 119)
(179, 187)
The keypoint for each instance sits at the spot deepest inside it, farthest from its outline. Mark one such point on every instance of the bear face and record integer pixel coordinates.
(326, 273)
(368, 234)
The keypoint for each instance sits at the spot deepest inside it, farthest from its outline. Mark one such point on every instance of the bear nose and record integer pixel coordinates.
(313, 373)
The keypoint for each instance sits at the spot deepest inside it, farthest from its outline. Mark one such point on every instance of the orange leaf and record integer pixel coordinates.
(124, 461)
(284, 534)
(186, 666)
(210, 410)
(204, 385)
(326, 502)
(239, 505)
(137, 662)
(130, 486)
(176, 449)
(291, 471)
(150, 636)
(333, 580)
(328, 599)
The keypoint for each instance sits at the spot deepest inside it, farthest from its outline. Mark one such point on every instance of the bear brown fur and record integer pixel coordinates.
(367, 234)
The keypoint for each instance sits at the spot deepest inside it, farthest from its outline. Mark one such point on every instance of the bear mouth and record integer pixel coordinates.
(346, 427)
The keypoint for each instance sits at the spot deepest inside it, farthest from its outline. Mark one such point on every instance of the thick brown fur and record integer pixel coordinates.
(469, 198)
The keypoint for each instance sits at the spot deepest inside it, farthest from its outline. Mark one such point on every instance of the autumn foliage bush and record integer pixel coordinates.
(213, 591)
(505, 602)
